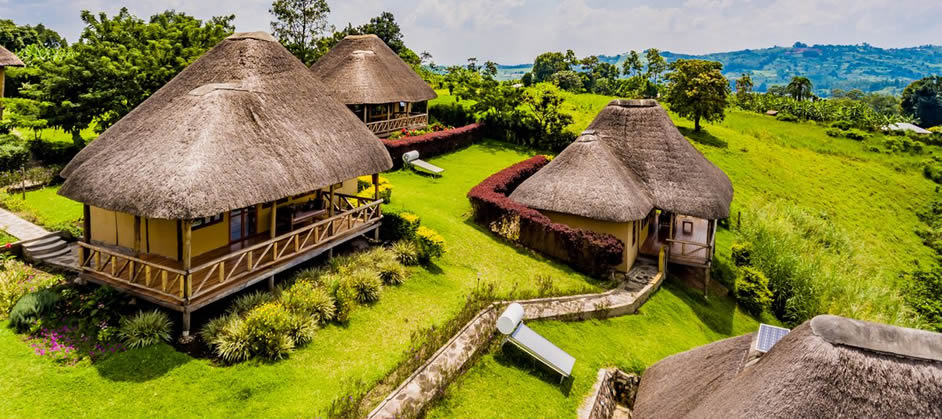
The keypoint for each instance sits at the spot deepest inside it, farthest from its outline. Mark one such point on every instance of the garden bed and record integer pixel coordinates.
(433, 143)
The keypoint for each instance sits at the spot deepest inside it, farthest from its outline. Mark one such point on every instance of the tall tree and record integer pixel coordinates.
(656, 64)
(632, 65)
(15, 37)
(922, 100)
(545, 104)
(744, 89)
(697, 90)
(547, 64)
(800, 88)
(298, 24)
(383, 26)
(118, 63)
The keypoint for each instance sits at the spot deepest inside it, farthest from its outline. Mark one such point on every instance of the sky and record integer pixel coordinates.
(515, 31)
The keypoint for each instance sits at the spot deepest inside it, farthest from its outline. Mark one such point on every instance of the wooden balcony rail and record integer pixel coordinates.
(221, 272)
(133, 272)
(391, 125)
(344, 202)
(689, 248)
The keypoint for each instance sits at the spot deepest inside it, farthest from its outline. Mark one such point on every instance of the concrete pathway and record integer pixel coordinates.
(20, 228)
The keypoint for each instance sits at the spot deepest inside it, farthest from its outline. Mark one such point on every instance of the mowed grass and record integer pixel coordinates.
(159, 381)
(675, 319)
(46, 208)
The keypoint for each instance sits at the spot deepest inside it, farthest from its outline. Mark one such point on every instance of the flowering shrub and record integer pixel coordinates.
(269, 326)
(430, 244)
(433, 144)
(399, 226)
(589, 252)
(405, 133)
(67, 345)
(17, 279)
(303, 297)
(365, 188)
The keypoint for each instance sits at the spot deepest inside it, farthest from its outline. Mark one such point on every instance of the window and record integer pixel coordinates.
(207, 221)
(634, 232)
(242, 224)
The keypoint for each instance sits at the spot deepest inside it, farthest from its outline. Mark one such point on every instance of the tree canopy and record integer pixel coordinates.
(15, 37)
(697, 90)
(298, 25)
(800, 88)
(922, 100)
(119, 62)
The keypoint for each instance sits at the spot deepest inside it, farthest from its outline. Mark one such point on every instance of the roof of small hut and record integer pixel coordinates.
(829, 366)
(597, 184)
(642, 138)
(246, 123)
(362, 69)
(8, 59)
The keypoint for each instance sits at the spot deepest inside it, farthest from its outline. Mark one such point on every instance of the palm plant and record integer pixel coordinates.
(800, 88)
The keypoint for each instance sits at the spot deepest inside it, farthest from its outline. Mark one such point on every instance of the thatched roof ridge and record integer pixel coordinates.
(9, 59)
(362, 69)
(806, 374)
(641, 136)
(597, 184)
(244, 124)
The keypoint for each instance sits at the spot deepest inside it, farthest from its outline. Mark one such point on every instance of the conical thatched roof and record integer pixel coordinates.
(597, 184)
(827, 367)
(641, 137)
(8, 59)
(246, 123)
(362, 69)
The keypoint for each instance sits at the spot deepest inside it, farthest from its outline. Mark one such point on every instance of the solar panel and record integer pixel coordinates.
(542, 349)
(769, 336)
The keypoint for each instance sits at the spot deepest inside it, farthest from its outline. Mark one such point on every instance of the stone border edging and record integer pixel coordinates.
(435, 374)
(603, 401)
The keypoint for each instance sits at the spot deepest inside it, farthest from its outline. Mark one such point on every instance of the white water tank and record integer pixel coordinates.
(508, 321)
(410, 156)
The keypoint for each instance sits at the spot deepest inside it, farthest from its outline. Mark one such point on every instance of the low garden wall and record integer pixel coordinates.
(586, 251)
(433, 143)
(431, 379)
(612, 388)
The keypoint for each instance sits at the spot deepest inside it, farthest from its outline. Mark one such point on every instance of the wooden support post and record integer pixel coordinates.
(389, 111)
(2, 70)
(375, 186)
(137, 234)
(187, 258)
(274, 227)
(186, 325)
(271, 283)
(706, 282)
(365, 110)
(86, 231)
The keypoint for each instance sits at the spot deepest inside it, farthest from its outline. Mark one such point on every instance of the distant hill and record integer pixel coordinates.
(864, 67)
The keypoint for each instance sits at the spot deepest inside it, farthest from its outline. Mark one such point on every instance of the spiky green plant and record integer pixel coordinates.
(145, 329)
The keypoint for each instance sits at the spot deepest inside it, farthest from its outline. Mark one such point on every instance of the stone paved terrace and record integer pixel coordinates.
(433, 376)
(20, 228)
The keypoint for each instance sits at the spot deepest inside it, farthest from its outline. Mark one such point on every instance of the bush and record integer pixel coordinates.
(932, 169)
(398, 226)
(306, 299)
(834, 132)
(145, 329)
(786, 117)
(923, 292)
(842, 125)
(406, 252)
(214, 328)
(429, 243)
(18, 279)
(244, 303)
(752, 291)
(392, 272)
(53, 153)
(366, 286)
(270, 328)
(454, 114)
(344, 300)
(232, 342)
(856, 135)
(31, 307)
(742, 254)
(586, 251)
(14, 153)
(302, 329)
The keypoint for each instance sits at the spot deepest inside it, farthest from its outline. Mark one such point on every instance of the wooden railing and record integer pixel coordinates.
(390, 125)
(181, 285)
(133, 272)
(688, 249)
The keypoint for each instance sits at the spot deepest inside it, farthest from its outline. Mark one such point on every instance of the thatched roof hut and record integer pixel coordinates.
(362, 69)
(8, 59)
(246, 123)
(649, 164)
(828, 367)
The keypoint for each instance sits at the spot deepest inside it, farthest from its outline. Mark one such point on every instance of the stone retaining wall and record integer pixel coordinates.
(612, 387)
(431, 378)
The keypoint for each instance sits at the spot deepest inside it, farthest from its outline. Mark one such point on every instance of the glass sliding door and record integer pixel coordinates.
(242, 224)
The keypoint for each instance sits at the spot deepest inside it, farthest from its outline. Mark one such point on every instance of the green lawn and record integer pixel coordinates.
(159, 381)
(46, 208)
(675, 319)
(57, 135)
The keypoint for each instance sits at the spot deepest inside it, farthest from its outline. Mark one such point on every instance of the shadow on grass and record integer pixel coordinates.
(716, 312)
(141, 365)
(510, 356)
(703, 137)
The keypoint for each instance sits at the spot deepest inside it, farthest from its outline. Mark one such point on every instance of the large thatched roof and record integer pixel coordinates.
(640, 136)
(827, 367)
(597, 184)
(8, 59)
(246, 123)
(362, 69)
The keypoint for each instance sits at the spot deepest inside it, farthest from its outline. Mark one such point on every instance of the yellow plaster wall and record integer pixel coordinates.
(161, 236)
(103, 226)
(211, 237)
(623, 231)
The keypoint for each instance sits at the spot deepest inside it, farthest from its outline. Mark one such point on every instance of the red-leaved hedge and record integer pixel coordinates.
(586, 251)
(433, 143)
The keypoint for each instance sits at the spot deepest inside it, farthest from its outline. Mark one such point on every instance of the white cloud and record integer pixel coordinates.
(514, 31)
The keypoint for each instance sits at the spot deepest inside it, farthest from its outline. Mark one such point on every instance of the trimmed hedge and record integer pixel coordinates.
(433, 143)
(586, 251)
